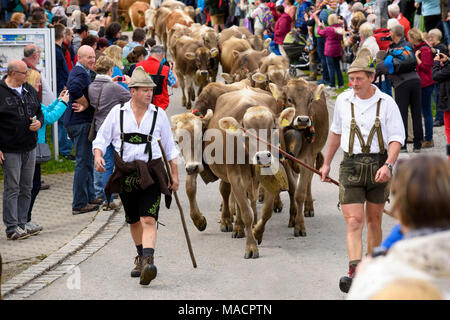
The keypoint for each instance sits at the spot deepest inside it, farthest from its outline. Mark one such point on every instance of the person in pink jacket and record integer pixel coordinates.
(333, 36)
(282, 26)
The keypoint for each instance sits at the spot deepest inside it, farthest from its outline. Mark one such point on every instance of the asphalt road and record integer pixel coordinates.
(288, 267)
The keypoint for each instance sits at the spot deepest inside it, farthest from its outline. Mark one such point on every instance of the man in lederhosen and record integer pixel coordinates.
(139, 175)
(368, 126)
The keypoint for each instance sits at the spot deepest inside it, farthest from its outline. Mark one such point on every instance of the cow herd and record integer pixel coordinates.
(258, 96)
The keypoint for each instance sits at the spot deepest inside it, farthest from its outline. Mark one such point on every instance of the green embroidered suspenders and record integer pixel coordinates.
(354, 129)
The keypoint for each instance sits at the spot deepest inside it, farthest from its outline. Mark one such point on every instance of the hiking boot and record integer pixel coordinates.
(136, 272)
(17, 234)
(32, 228)
(98, 201)
(346, 282)
(428, 144)
(416, 149)
(148, 272)
(87, 208)
(403, 149)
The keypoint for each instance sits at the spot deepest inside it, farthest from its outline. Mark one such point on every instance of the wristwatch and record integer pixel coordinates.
(389, 166)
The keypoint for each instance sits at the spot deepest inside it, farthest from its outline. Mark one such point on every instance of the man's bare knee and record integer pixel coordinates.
(148, 221)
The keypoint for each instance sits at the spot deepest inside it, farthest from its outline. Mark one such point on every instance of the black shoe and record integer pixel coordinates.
(68, 157)
(136, 272)
(44, 186)
(148, 272)
(346, 282)
(403, 149)
(438, 123)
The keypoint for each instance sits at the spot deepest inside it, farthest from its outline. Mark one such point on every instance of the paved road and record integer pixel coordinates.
(288, 267)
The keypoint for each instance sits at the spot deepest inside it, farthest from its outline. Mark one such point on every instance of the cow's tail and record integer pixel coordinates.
(319, 160)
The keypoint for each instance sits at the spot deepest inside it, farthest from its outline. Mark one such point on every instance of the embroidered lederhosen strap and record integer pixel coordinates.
(137, 138)
(354, 129)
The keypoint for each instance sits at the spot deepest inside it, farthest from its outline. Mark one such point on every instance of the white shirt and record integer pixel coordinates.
(109, 132)
(365, 112)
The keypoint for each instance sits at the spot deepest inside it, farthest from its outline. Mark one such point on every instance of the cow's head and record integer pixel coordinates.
(278, 76)
(246, 62)
(299, 95)
(188, 133)
(201, 58)
(261, 121)
(211, 39)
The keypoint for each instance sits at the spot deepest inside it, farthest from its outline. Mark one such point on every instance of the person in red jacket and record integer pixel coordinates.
(424, 57)
(282, 26)
(394, 12)
(167, 75)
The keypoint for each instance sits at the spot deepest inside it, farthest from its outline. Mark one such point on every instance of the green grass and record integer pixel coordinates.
(53, 166)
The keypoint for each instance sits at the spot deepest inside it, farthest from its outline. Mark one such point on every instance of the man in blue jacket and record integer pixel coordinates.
(77, 120)
(20, 119)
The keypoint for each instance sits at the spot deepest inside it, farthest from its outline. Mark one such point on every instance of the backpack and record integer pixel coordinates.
(400, 60)
(383, 38)
(268, 19)
(11, 5)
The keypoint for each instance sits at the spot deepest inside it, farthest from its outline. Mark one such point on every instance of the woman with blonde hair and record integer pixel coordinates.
(115, 53)
(421, 203)
(18, 17)
(367, 39)
(424, 57)
(51, 113)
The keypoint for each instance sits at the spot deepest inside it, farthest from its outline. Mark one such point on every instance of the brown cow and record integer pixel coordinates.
(210, 38)
(149, 16)
(175, 33)
(160, 25)
(255, 41)
(193, 64)
(311, 119)
(244, 63)
(208, 97)
(137, 14)
(251, 109)
(227, 57)
(178, 16)
(275, 68)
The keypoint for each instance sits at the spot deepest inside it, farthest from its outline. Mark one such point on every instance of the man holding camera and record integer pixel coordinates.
(20, 119)
(161, 74)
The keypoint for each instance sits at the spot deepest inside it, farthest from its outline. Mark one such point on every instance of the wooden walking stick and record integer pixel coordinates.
(287, 155)
(188, 240)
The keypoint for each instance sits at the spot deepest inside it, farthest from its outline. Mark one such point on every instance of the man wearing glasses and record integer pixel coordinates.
(20, 119)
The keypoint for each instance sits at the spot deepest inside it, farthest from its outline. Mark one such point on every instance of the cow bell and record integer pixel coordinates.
(293, 140)
(274, 182)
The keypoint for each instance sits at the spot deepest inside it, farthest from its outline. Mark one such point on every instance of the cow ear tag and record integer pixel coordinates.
(284, 123)
(317, 97)
(232, 128)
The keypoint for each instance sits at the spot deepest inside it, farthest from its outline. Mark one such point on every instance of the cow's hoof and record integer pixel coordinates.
(226, 227)
(309, 213)
(251, 254)
(277, 209)
(238, 235)
(299, 233)
(202, 225)
(258, 237)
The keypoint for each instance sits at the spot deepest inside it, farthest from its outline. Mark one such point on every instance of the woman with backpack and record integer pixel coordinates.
(424, 57)
(333, 49)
